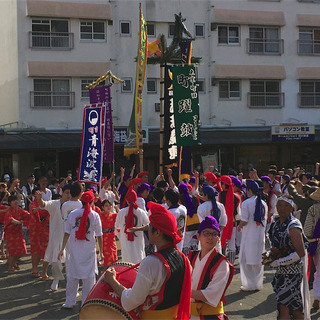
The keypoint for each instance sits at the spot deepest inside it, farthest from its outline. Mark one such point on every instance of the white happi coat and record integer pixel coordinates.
(131, 251)
(56, 231)
(215, 289)
(180, 214)
(82, 263)
(253, 235)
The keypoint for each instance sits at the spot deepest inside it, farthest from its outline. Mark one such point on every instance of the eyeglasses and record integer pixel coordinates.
(208, 234)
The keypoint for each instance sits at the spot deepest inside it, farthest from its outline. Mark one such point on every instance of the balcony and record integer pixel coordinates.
(309, 47)
(51, 40)
(265, 100)
(309, 100)
(265, 46)
(52, 100)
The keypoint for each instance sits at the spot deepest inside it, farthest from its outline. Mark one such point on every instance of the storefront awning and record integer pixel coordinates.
(249, 72)
(245, 17)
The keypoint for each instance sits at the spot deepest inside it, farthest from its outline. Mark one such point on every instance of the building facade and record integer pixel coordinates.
(259, 69)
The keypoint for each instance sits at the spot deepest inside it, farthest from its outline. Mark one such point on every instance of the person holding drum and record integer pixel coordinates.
(162, 287)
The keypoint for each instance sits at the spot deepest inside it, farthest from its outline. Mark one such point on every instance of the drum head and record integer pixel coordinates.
(102, 312)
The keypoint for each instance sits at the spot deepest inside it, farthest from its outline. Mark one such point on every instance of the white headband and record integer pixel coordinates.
(290, 201)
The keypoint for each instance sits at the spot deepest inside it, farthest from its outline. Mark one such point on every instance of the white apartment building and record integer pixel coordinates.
(260, 68)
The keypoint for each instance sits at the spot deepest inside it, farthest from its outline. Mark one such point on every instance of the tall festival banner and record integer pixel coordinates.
(134, 138)
(186, 105)
(170, 149)
(102, 95)
(90, 167)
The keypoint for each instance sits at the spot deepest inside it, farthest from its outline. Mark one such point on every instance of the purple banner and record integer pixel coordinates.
(90, 167)
(185, 47)
(103, 95)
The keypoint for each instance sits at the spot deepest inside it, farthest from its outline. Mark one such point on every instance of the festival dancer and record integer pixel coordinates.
(192, 223)
(56, 232)
(163, 284)
(211, 274)
(81, 228)
(132, 245)
(211, 207)
(252, 225)
(108, 220)
(39, 234)
(288, 256)
(13, 220)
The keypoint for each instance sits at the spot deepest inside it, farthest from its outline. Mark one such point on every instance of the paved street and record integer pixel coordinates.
(23, 297)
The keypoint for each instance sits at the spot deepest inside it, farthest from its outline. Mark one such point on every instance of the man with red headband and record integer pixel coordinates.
(213, 181)
(163, 284)
(82, 226)
(132, 244)
(144, 176)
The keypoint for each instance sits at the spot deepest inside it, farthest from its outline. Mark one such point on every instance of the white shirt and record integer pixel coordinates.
(56, 230)
(253, 235)
(47, 195)
(141, 203)
(205, 210)
(82, 260)
(180, 214)
(69, 206)
(131, 251)
(214, 291)
(149, 281)
(24, 189)
(107, 195)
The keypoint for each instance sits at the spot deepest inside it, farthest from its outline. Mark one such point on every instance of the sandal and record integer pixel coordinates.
(45, 278)
(11, 270)
(16, 267)
(35, 274)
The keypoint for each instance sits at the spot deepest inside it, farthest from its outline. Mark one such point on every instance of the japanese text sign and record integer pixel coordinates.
(90, 167)
(186, 105)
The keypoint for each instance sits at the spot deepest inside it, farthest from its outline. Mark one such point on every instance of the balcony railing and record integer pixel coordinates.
(309, 100)
(51, 100)
(265, 46)
(266, 100)
(51, 40)
(309, 47)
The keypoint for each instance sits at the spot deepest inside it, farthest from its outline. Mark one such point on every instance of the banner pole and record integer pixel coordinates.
(161, 122)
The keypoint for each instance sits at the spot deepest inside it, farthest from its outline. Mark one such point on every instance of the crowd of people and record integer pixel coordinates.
(186, 236)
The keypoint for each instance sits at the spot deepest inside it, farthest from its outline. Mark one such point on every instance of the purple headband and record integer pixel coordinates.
(236, 182)
(142, 187)
(209, 222)
(183, 189)
(192, 180)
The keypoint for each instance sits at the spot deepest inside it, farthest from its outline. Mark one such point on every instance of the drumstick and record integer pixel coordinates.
(314, 240)
(135, 266)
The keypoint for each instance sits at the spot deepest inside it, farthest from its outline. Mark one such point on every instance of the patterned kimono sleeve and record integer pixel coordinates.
(310, 223)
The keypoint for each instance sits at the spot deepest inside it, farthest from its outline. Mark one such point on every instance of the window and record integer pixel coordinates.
(52, 93)
(151, 85)
(151, 29)
(92, 30)
(201, 86)
(309, 95)
(125, 28)
(229, 90)
(309, 41)
(50, 33)
(229, 35)
(264, 41)
(171, 30)
(199, 30)
(265, 93)
(127, 85)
